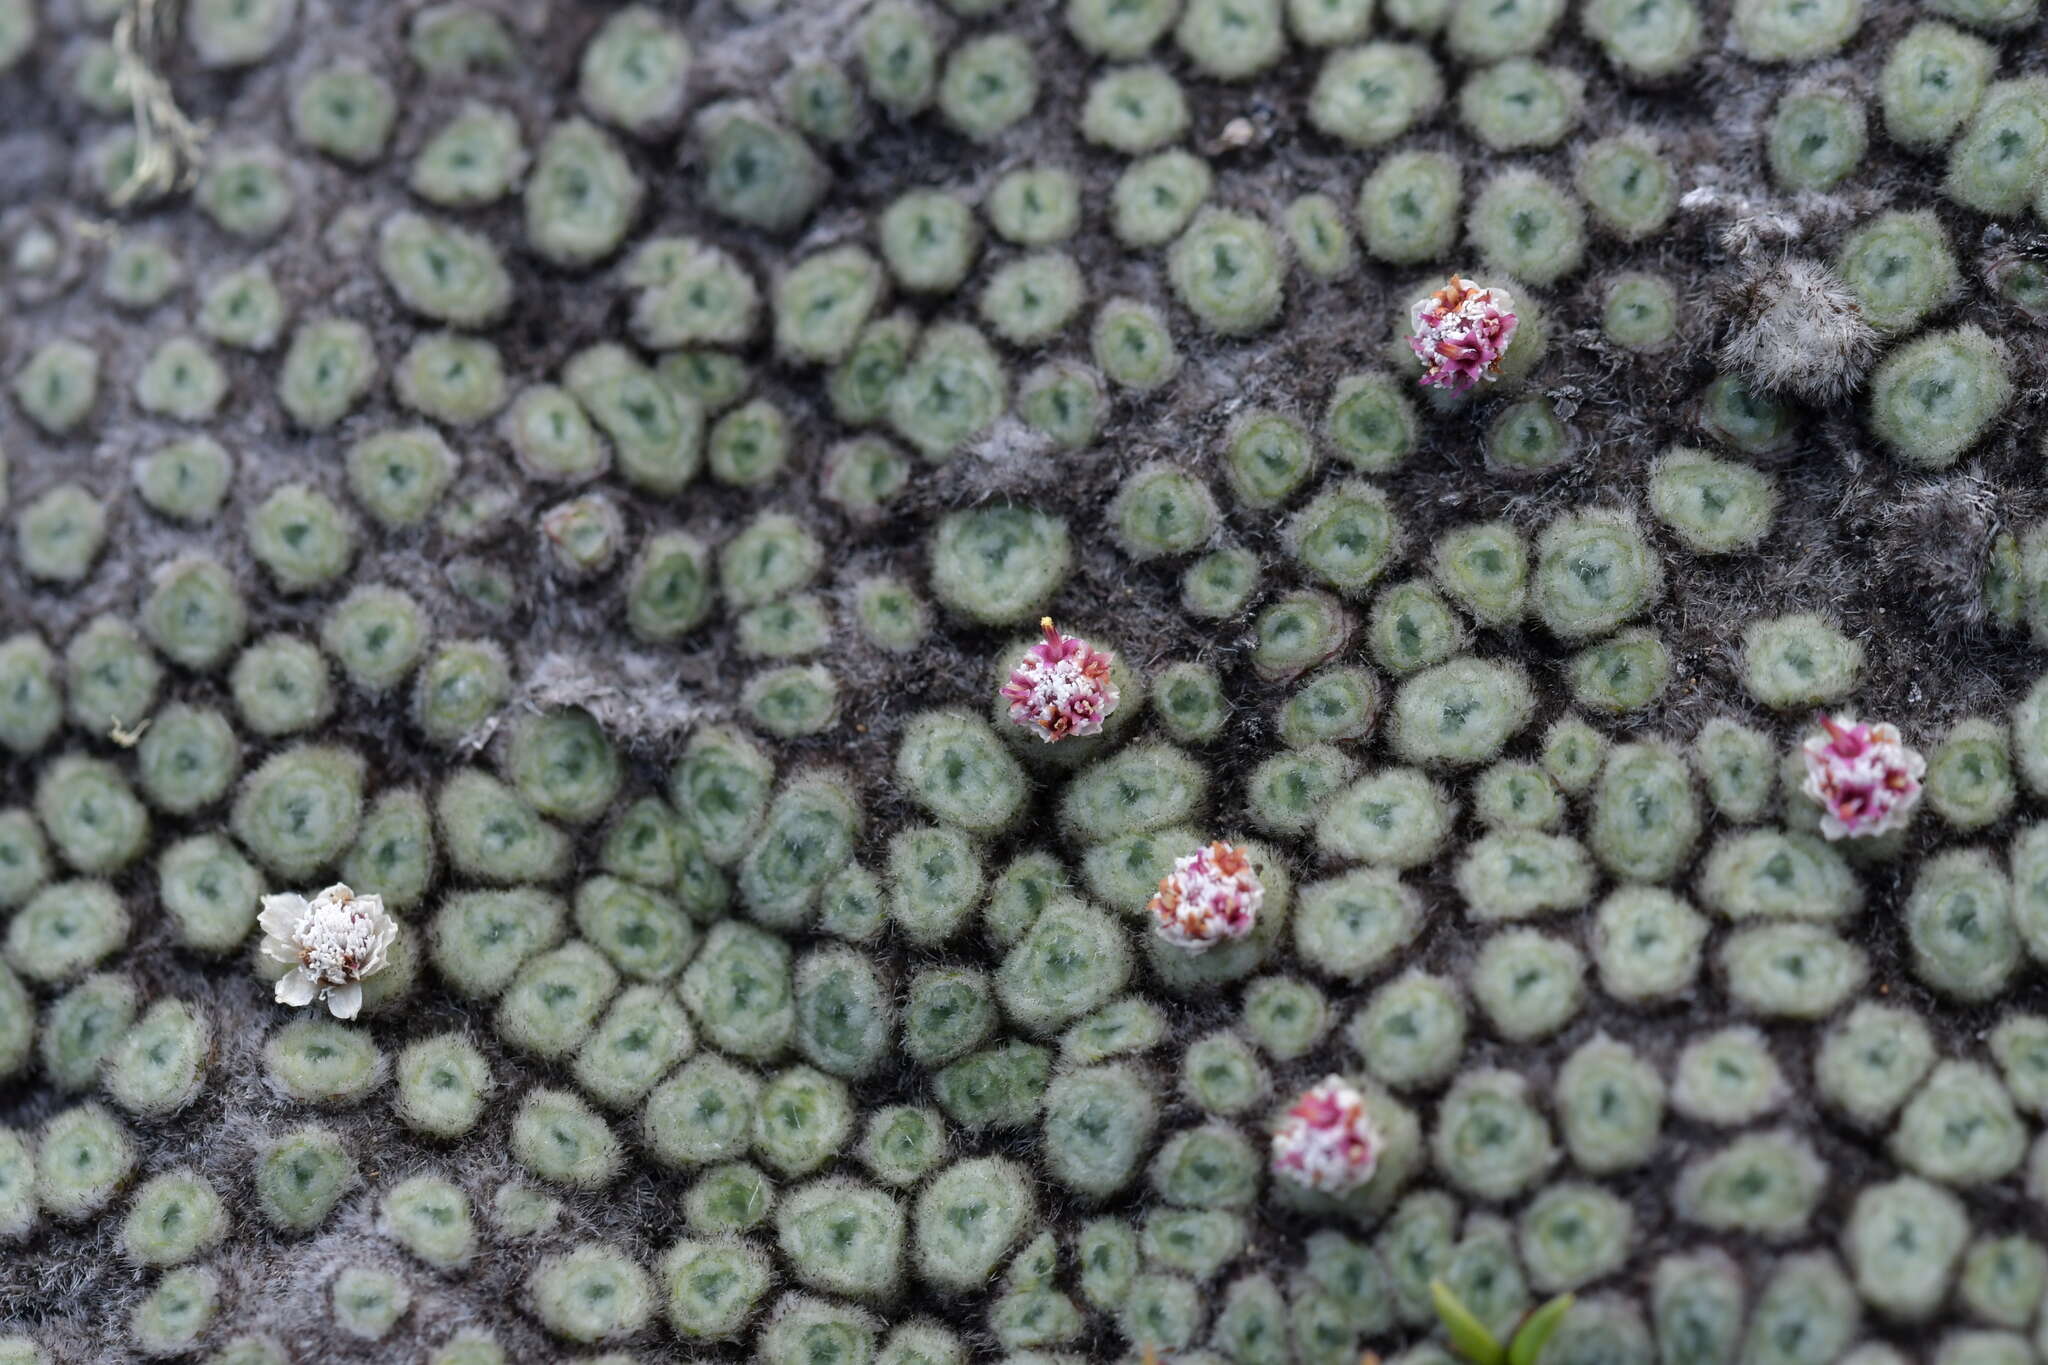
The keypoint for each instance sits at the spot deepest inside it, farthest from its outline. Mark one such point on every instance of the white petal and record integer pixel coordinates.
(279, 950)
(345, 1001)
(295, 988)
(282, 913)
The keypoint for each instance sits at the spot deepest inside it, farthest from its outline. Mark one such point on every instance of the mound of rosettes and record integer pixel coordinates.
(1250, 681)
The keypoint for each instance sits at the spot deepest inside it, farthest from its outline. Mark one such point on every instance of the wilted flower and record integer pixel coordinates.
(1863, 776)
(1211, 895)
(1327, 1142)
(1061, 687)
(1460, 333)
(333, 942)
(1795, 327)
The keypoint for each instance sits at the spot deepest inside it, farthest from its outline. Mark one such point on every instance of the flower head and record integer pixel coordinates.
(1461, 332)
(1211, 895)
(332, 942)
(1864, 778)
(1061, 687)
(1327, 1141)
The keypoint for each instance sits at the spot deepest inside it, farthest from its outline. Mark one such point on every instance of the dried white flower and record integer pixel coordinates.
(1795, 328)
(333, 942)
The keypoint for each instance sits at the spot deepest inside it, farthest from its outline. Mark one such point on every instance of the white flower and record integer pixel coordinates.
(332, 942)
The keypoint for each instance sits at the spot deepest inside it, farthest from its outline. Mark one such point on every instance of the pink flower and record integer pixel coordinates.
(1327, 1142)
(1211, 895)
(1862, 776)
(1461, 332)
(1061, 687)
(332, 942)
